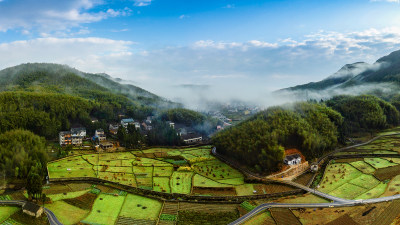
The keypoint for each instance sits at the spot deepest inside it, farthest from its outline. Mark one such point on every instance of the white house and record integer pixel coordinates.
(126, 122)
(80, 131)
(293, 159)
(100, 134)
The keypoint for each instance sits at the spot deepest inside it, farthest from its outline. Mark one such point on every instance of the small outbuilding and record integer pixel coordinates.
(32, 209)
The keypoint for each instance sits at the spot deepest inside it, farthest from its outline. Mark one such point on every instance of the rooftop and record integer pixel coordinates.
(31, 207)
(129, 120)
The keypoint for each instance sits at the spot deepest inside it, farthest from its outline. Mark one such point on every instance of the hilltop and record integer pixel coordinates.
(62, 79)
(359, 77)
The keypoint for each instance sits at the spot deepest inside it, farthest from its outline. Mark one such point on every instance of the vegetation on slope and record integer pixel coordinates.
(22, 152)
(260, 141)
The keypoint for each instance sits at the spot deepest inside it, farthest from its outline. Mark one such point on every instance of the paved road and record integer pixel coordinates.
(338, 202)
(50, 215)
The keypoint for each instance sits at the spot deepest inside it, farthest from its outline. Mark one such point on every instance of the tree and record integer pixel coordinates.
(34, 184)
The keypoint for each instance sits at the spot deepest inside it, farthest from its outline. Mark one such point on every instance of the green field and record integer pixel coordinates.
(138, 207)
(379, 163)
(70, 167)
(163, 171)
(66, 195)
(374, 193)
(200, 181)
(244, 189)
(181, 182)
(348, 191)
(66, 213)
(161, 184)
(7, 211)
(218, 171)
(153, 174)
(365, 181)
(363, 167)
(393, 187)
(336, 175)
(105, 209)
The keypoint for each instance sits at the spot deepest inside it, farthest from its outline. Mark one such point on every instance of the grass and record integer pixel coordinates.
(348, 191)
(244, 189)
(128, 179)
(336, 175)
(163, 171)
(7, 211)
(363, 167)
(138, 207)
(66, 213)
(105, 209)
(161, 184)
(374, 192)
(141, 171)
(378, 163)
(181, 182)
(233, 181)
(216, 170)
(70, 167)
(200, 181)
(365, 181)
(66, 195)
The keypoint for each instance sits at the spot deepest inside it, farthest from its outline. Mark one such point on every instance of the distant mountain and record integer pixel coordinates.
(56, 78)
(384, 73)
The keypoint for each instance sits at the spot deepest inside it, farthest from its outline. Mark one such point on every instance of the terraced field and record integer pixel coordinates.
(152, 169)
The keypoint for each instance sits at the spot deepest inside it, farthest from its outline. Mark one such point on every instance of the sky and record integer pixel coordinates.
(191, 51)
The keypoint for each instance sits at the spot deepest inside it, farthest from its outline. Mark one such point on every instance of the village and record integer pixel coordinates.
(78, 136)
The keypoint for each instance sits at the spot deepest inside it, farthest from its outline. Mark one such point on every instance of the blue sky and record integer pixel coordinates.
(221, 45)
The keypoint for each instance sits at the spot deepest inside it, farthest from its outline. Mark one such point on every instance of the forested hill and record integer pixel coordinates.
(312, 127)
(55, 78)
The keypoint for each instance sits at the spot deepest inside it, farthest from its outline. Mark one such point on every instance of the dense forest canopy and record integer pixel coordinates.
(260, 141)
(365, 112)
(314, 128)
(184, 116)
(21, 152)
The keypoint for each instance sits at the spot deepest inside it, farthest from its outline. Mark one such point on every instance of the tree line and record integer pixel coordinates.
(312, 127)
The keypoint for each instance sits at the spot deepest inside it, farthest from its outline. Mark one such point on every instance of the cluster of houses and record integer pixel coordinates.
(76, 135)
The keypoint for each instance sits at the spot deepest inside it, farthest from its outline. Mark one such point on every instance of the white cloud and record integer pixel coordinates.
(229, 6)
(50, 16)
(243, 70)
(182, 17)
(142, 2)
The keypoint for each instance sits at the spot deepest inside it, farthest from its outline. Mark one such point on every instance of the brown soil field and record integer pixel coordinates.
(214, 191)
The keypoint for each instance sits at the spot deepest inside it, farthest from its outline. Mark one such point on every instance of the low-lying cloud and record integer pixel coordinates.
(219, 71)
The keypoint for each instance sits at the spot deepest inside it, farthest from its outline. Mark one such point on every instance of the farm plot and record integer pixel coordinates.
(122, 178)
(150, 162)
(6, 211)
(393, 187)
(374, 192)
(138, 207)
(66, 195)
(378, 163)
(105, 209)
(165, 171)
(161, 184)
(200, 181)
(70, 167)
(181, 182)
(218, 171)
(363, 167)
(245, 189)
(336, 175)
(387, 173)
(365, 181)
(348, 191)
(66, 213)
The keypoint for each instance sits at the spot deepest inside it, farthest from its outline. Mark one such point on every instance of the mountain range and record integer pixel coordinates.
(383, 75)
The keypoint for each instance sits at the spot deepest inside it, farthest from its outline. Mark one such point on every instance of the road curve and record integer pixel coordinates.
(50, 215)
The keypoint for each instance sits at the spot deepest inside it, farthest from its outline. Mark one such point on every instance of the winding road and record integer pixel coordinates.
(50, 215)
(337, 202)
